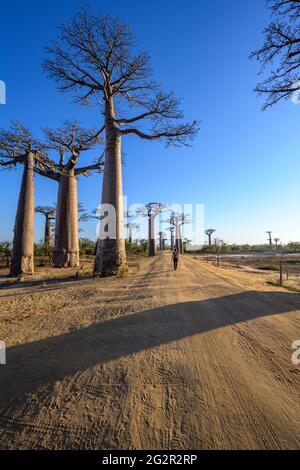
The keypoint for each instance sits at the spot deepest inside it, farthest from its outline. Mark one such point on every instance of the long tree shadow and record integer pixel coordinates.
(59, 281)
(51, 359)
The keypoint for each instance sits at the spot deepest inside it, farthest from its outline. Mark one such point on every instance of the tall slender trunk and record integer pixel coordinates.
(180, 242)
(177, 237)
(47, 236)
(23, 244)
(151, 231)
(111, 256)
(160, 241)
(66, 250)
(172, 240)
(130, 235)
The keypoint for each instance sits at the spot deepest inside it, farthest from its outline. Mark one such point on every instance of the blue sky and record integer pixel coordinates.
(244, 164)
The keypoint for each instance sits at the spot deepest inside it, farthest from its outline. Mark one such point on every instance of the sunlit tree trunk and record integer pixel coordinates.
(172, 240)
(23, 244)
(66, 250)
(151, 233)
(180, 242)
(177, 237)
(111, 256)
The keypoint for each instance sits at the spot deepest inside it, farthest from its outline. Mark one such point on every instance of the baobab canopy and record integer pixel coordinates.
(94, 56)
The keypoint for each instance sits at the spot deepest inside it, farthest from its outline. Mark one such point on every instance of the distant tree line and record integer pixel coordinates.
(291, 247)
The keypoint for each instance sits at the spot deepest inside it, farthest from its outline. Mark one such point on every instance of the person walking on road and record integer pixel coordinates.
(175, 258)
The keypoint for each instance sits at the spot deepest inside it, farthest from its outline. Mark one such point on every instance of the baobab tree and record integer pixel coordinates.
(280, 53)
(151, 211)
(172, 236)
(182, 219)
(276, 240)
(49, 214)
(18, 146)
(69, 141)
(177, 220)
(94, 59)
(131, 227)
(162, 240)
(270, 238)
(174, 222)
(218, 247)
(209, 232)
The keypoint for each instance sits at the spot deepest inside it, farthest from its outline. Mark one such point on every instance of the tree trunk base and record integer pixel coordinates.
(66, 260)
(109, 261)
(152, 248)
(23, 265)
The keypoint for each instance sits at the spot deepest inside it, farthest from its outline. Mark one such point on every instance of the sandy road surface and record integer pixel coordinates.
(200, 358)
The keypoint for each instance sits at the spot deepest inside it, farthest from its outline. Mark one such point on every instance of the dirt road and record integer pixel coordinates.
(197, 359)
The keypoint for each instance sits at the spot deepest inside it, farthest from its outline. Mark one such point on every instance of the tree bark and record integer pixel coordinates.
(160, 241)
(180, 242)
(111, 256)
(66, 250)
(23, 244)
(152, 244)
(172, 240)
(47, 237)
(209, 240)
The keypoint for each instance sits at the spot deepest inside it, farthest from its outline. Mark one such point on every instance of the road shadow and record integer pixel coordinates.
(45, 361)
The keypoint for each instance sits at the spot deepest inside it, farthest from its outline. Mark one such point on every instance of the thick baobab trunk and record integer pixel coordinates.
(47, 237)
(111, 256)
(151, 231)
(66, 250)
(23, 244)
(209, 241)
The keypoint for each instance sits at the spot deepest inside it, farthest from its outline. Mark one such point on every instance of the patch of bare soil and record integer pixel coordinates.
(194, 359)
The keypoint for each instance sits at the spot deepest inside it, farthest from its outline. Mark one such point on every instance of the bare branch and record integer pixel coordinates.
(280, 52)
(72, 139)
(180, 134)
(87, 169)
